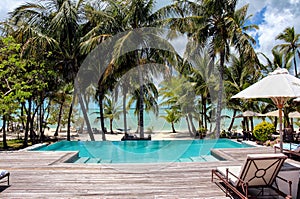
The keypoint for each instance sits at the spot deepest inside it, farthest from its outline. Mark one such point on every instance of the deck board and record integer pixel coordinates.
(41, 175)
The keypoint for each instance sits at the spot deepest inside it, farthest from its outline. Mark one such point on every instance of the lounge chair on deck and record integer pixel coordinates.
(259, 171)
(4, 174)
(292, 151)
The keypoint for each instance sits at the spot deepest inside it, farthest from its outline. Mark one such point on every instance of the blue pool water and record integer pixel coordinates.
(143, 151)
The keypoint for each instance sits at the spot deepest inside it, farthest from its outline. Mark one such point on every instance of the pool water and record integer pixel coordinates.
(143, 151)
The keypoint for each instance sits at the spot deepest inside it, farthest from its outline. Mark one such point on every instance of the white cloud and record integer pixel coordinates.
(277, 16)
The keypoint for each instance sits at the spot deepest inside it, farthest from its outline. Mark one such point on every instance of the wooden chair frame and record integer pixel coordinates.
(243, 184)
(5, 176)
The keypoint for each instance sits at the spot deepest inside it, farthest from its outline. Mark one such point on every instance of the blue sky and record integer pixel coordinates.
(272, 16)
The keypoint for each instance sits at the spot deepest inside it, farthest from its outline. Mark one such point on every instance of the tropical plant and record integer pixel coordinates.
(263, 131)
(111, 111)
(149, 100)
(178, 93)
(173, 116)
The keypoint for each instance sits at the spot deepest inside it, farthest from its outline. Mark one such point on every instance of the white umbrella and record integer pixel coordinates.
(272, 114)
(248, 114)
(279, 86)
(294, 114)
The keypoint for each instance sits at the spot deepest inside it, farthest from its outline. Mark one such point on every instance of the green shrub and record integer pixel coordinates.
(263, 131)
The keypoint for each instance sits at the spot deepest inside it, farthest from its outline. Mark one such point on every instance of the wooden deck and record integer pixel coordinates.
(44, 175)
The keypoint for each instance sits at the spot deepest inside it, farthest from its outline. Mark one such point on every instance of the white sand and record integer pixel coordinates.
(164, 135)
(154, 136)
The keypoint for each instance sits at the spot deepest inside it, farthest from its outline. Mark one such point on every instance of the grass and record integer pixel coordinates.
(14, 144)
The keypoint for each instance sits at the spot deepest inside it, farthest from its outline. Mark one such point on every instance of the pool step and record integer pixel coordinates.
(82, 160)
(185, 160)
(88, 160)
(198, 159)
(106, 161)
(209, 158)
(93, 160)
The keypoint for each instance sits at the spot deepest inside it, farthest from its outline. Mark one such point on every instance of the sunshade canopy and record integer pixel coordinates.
(278, 84)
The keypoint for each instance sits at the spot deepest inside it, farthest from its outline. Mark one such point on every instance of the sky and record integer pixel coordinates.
(272, 16)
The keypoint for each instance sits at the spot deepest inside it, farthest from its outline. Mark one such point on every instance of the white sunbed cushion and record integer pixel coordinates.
(235, 170)
(3, 173)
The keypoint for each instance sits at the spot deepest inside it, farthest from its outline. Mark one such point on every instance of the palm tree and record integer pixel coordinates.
(62, 97)
(111, 111)
(149, 101)
(239, 75)
(292, 44)
(178, 94)
(173, 116)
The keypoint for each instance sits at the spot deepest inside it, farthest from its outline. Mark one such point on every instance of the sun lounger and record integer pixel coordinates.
(259, 171)
(4, 174)
(290, 149)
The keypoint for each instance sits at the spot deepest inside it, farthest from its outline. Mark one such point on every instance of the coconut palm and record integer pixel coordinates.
(291, 45)
(111, 111)
(239, 76)
(178, 93)
(149, 101)
(173, 116)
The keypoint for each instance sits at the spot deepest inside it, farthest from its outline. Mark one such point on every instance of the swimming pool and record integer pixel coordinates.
(143, 151)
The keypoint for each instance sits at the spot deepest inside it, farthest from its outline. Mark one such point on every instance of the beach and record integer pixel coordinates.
(159, 135)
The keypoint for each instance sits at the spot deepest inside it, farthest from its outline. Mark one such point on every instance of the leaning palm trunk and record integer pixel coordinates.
(87, 121)
(232, 120)
(173, 127)
(59, 119)
(192, 124)
(188, 124)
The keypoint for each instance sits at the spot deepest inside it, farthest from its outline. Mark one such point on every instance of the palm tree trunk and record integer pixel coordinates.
(124, 110)
(295, 65)
(103, 129)
(59, 119)
(69, 121)
(25, 141)
(173, 127)
(220, 95)
(111, 126)
(192, 124)
(70, 115)
(87, 121)
(5, 146)
(188, 124)
(41, 116)
(232, 120)
(204, 112)
(141, 105)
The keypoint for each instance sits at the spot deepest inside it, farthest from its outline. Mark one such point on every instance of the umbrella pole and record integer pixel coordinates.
(280, 128)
